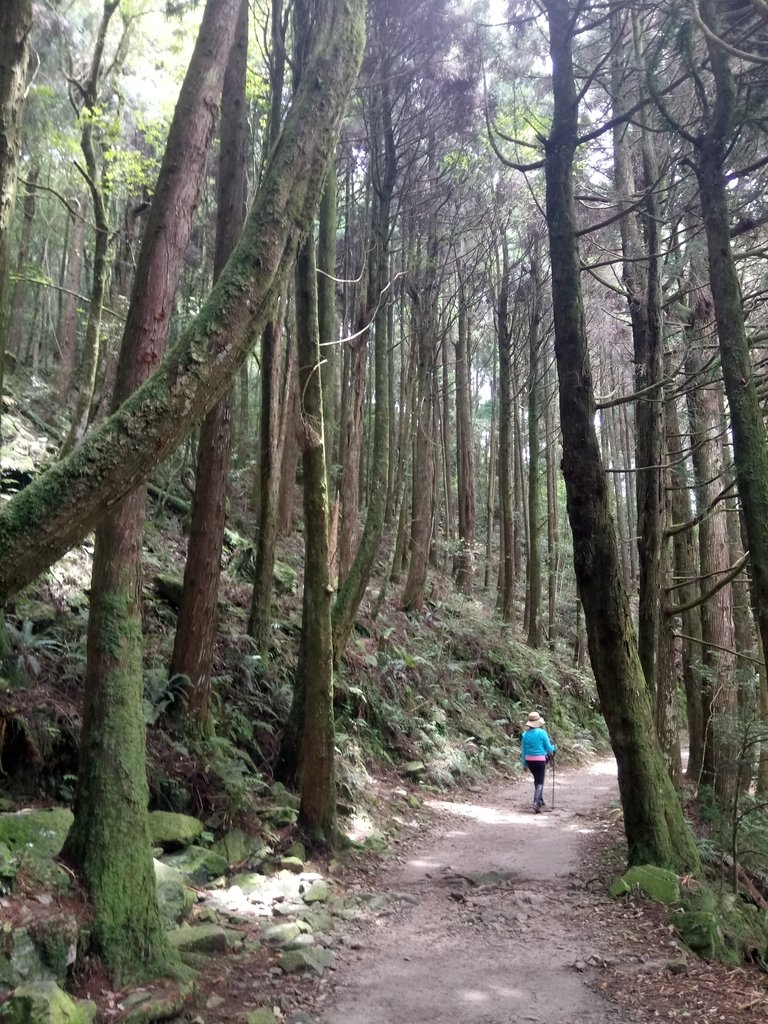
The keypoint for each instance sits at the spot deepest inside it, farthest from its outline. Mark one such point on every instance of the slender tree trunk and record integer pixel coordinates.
(97, 186)
(18, 304)
(290, 460)
(353, 588)
(193, 645)
(642, 279)
(534, 458)
(424, 308)
(505, 455)
(314, 672)
(69, 318)
(653, 820)
(719, 690)
(553, 525)
(260, 618)
(465, 450)
(685, 560)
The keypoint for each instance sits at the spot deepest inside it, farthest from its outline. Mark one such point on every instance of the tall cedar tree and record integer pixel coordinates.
(193, 644)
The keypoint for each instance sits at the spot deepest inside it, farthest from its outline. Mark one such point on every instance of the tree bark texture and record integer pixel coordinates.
(69, 318)
(653, 820)
(196, 629)
(314, 672)
(506, 598)
(65, 502)
(15, 27)
(352, 589)
(464, 450)
(19, 301)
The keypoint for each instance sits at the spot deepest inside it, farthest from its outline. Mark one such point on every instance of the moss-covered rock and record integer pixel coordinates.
(314, 960)
(174, 898)
(37, 833)
(43, 1002)
(237, 847)
(20, 959)
(199, 938)
(9, 867)
(317, 891)
(198, 864)
(658, 884)
(699, 931)
(261, 1016)
(173, 831)
(286, 578)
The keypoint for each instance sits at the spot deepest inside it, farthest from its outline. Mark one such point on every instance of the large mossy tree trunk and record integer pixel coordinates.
(64, 503)
(109, 840)
(193, 644)
(656, 830)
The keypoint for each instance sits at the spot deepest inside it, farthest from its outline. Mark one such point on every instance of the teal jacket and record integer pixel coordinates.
(536, 745)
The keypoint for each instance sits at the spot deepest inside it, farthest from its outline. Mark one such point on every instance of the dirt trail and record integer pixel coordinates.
(490, 925)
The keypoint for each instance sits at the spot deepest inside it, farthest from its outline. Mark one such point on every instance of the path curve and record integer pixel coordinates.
(490, 925)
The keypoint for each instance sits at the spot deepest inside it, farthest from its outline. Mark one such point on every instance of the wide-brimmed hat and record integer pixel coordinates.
(535, 721)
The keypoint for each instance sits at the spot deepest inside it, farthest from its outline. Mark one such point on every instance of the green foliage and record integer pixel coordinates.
(162, 693)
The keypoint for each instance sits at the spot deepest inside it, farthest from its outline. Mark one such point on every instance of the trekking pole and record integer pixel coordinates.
(553, 782)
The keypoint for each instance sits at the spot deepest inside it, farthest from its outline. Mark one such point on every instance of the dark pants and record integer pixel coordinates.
(537, 770)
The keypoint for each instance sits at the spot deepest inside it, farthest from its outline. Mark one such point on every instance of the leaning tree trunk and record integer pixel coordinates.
(196, 629)
(50, 515)
(109, 840)
(653, 820)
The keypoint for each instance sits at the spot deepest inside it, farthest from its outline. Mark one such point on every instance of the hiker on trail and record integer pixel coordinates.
(537, 749)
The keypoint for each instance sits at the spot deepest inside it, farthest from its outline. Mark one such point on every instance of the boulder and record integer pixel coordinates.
(698, 929)
(292, 864)
(317, 892)
(282, 934)
(39, 832)
(43, 1002)
(313, 961)
(261, 1016)
(198, 864)
(144, 1005)
(9, 867)
(658, 884)
(237, 847)
(174, 898)
(20, 960)
(199, 938)
(173, 831)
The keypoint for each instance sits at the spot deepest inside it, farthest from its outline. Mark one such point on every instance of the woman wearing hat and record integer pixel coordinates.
(536, 750)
